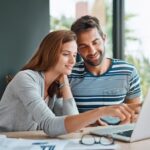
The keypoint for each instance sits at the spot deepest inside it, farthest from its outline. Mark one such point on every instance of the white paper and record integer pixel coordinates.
(48, 144)
(24, 144)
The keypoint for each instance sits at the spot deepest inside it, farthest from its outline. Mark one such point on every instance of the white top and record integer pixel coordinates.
(46, 100)
(22, 107)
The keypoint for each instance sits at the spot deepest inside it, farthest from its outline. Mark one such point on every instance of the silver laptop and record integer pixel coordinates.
(130, 132)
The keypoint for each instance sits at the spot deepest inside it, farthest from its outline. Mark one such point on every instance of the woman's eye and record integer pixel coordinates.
(65, 54)
(75, 56)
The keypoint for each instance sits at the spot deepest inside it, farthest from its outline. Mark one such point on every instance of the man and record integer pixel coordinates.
(99, 81)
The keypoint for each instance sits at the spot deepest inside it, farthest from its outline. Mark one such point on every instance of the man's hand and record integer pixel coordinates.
(137, 108)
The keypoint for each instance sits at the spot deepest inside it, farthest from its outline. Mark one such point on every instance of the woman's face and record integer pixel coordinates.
(67, 58)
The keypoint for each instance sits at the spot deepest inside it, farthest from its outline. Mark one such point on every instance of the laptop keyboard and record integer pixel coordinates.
(126, 133)
(113, 129)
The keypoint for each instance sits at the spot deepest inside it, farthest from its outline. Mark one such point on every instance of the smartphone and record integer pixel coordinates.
(111, 120)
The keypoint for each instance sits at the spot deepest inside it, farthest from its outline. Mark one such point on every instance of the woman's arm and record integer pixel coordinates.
(69, 106)
(26, 88)
(65, 87)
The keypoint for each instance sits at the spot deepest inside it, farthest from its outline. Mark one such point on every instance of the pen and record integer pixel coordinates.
(39, 143)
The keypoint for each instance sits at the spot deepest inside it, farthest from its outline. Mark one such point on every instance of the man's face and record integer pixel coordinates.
(91, 47)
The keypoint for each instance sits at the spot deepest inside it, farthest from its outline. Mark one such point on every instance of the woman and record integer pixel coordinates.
(39, 96)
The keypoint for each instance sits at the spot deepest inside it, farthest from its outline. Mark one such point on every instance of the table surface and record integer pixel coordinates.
(144, 144)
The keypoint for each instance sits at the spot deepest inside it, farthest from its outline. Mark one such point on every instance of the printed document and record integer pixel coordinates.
(24, 144)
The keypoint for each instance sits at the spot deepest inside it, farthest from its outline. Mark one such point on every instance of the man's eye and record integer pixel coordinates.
(82, 47)
(96, 43)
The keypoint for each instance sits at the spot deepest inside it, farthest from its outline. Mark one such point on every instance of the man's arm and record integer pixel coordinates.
(135, 104)
(136, 100)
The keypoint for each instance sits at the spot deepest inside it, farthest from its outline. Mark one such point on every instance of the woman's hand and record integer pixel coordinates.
(123, 111)
(65, 87)
(63, 80)
(129, 111)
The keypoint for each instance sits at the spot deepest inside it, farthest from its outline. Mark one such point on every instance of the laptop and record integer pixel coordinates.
(130, 132)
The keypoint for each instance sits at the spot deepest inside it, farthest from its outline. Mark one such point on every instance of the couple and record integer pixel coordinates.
(39, 97)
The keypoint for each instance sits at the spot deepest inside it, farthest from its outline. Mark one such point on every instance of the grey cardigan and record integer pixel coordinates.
(23, 108)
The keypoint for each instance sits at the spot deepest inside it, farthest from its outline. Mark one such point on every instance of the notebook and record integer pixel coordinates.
(130, 132)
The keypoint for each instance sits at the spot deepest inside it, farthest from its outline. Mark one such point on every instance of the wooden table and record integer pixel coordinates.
(140, 145)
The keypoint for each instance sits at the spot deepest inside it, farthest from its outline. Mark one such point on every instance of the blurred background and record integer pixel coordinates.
(25, 22)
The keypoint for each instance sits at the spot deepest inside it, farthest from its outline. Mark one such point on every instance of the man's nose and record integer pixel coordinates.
(92, 49)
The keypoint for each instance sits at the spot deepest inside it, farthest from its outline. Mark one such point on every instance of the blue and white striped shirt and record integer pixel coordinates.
(121, 82)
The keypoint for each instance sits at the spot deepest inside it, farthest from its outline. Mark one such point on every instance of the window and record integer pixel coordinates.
(137, 38)
(63, 17)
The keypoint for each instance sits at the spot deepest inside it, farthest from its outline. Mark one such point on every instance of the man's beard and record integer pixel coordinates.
(97, 62)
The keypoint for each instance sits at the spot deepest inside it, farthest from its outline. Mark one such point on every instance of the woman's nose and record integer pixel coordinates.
(72, 60)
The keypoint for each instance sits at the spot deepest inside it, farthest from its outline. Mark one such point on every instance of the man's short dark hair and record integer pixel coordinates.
(86, 22)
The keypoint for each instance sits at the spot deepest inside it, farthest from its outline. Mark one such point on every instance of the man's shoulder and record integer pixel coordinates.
(122, 63)
(123, 66)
